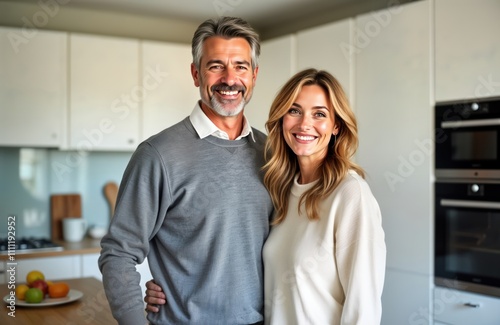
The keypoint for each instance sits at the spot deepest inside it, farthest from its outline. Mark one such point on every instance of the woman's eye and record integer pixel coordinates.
(320, 114)
(293, 111)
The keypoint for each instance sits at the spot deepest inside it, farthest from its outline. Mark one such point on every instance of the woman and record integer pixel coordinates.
(324, 260)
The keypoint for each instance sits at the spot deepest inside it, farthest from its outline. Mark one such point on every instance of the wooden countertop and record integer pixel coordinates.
(92, 308)
(86, 246)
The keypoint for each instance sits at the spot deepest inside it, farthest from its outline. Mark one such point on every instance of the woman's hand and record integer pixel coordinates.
(154, 296)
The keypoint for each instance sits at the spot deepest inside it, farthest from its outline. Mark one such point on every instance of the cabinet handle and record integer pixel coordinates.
(472, 305)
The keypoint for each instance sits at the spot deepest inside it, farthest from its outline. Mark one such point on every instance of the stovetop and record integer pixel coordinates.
(28, 245)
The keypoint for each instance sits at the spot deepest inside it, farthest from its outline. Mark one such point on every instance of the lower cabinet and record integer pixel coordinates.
(456, 307)
(90, 266)
(406, 299)
(54, 268)
(62, 267)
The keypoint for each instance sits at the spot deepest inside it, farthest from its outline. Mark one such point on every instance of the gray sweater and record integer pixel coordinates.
(198, 209)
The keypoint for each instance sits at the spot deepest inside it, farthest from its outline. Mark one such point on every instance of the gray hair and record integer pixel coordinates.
(226, 27)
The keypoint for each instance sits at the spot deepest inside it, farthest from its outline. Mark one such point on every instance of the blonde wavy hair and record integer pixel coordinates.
(281, 162)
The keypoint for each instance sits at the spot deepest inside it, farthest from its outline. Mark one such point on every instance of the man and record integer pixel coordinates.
(193, 201)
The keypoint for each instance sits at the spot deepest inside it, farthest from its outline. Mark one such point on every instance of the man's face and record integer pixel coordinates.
(225, 77)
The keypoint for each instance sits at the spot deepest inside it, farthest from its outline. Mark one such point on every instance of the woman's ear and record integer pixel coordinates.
(335, 130)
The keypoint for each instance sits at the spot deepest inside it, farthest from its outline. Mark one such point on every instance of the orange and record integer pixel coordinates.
(33, 276)
(58, 290)
(21, 291)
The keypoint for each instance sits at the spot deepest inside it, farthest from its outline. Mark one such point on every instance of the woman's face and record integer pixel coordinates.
(309, 124)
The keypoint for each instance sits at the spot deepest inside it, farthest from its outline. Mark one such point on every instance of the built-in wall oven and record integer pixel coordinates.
(467, 196)
(467, 139)
(467, 235)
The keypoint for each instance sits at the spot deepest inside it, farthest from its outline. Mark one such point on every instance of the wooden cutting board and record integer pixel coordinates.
(63, 206)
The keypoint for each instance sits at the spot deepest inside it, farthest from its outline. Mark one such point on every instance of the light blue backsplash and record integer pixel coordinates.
(49, 172)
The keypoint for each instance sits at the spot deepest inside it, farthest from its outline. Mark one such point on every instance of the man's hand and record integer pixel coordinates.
(154, 296)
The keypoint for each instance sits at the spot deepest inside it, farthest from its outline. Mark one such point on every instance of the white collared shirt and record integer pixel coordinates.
(205, 127)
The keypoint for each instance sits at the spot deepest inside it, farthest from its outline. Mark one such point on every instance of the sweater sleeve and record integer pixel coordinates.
(360, 254)
(127, 242)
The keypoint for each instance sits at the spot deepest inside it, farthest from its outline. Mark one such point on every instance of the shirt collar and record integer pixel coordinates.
(205, 127)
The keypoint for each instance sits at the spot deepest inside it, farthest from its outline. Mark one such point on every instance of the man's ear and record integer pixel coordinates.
(195, 74)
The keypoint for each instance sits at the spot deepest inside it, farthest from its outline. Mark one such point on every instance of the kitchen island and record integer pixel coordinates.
(91, 308)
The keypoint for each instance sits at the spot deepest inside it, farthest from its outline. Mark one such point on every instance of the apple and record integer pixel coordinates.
(42, 285)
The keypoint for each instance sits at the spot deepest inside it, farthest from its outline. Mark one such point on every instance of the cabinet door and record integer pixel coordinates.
(169, 91)
(406, 298)
(463, 308)
(394, 114)
(395, 129)
(328, 47)
(276, 66)
(105, 93)
(467, 49)
(54, 268)
(90, 266)
(145, 273)
(33, 92)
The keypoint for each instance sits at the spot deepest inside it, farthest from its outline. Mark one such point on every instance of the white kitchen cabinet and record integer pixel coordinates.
(169, 90)
(406, 297)
(394, 112)
(105, 93)
(54, 268)
(456, 307)
(467, 49)
(90, 266)
(328, 47)
(277, 63)
(145, 273)
(33, 91)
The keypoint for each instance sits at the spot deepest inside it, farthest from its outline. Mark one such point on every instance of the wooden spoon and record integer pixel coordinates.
(111, 192)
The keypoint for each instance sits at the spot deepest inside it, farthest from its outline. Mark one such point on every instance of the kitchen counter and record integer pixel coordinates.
(92, 308)
(86, 246)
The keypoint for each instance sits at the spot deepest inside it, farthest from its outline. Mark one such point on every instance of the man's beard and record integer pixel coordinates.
(220, 106)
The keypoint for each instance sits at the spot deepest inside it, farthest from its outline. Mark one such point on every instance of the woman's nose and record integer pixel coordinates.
(305, 123)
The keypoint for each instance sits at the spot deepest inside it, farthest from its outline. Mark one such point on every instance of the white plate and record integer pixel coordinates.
(72, 296)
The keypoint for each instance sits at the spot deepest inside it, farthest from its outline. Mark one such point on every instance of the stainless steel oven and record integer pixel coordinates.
(468, 139)
(467, 235)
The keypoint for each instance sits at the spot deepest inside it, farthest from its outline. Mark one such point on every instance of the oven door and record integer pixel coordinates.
(468, 140)
(467, 236)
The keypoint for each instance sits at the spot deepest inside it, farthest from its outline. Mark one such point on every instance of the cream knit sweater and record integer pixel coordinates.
(329, 271)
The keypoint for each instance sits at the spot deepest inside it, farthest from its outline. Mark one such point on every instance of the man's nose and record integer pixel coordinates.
(229, 76)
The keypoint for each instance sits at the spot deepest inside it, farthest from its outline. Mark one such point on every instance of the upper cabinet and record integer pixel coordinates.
(467, 49)
(33, 70)
(333, 53)
(169, 90)
(105, 93)
(276, 66)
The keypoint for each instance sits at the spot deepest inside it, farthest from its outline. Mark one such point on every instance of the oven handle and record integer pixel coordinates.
(469, 123)
(470, 204)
